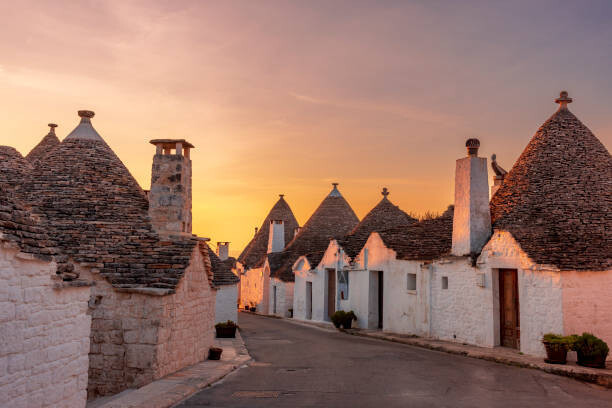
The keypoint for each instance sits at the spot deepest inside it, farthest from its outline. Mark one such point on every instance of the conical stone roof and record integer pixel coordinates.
(222, 270)
(257, 248)
(333, 219)
(13, 168)
(48, 143)
(383, 216)
(99, 214)
(557, 199)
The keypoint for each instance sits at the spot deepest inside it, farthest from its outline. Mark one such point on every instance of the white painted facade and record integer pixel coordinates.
(226, 300)
(44, 335)
(281, 297)
(255, 288)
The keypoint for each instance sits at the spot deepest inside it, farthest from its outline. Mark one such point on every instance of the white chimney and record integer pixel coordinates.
(223, 250)
(472, 217)
(276, 239)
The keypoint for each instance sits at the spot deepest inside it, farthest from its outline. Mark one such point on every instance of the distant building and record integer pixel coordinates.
(321, 289)
(226, 283)
(254, 281)
(333, 219)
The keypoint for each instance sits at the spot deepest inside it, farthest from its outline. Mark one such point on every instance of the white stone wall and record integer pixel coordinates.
(44, 336)
(225, 303)
(284, 297)
(254, 289)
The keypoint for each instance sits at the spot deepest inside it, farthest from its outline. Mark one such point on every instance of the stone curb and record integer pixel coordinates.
(177, 387)
(577, 372)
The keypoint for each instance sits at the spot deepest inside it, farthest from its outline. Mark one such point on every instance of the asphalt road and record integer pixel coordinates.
(297, 366)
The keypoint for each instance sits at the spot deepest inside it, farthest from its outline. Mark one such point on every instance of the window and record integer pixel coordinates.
(343, 284)
(445, 282)
(411, 281)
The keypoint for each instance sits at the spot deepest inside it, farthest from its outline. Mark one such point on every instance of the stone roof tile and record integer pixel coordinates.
(48, 143)
(333, 219)
(222, 270)
(556, 201)
(255, 252)
(383, 216)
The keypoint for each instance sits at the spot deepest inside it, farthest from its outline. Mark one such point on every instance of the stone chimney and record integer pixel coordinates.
(276, 239)
(170, 194)
(223, 250)
(472, 217)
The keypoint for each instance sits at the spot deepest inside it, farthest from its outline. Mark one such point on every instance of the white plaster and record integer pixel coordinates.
(226, 300)
(276, 238)
(472, 218)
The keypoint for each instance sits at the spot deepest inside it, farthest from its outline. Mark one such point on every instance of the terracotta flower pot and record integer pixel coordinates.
(597, 361)
(214, 353)
(556, 353)
(226, 332)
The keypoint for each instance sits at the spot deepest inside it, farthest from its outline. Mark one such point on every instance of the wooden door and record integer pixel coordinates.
(380, 299)
(331, 292)
(509, 308)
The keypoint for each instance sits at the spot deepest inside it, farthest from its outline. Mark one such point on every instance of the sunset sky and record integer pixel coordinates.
(289, 96)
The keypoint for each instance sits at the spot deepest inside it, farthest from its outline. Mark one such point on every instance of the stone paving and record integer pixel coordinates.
(176, 387)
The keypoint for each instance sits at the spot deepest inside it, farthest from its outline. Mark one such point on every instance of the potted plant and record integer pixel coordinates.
(556, 348)
(348, 319)
(591, 350)
(337, 318)
(226, 330)
(290, 312)
(214, 353)
(246, 307)
(252, 308)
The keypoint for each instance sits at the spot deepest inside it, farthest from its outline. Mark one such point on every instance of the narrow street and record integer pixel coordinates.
(297, 366)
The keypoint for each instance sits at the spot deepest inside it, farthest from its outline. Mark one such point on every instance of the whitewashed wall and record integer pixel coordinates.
(254, 288)
(225, 303)
(284, 297)
(44, 335)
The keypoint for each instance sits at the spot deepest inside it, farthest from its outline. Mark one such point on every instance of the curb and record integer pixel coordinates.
(578, 373)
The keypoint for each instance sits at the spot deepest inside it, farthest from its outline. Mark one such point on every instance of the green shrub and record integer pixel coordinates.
(590, 346)
(227, 324)
(338, 317)
(553, 338)
(348, 318)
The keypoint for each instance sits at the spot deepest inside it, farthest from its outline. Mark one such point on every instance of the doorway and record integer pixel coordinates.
(510, 335)
(331, 292)
(274, 300)
(309, 300)
(380, 298)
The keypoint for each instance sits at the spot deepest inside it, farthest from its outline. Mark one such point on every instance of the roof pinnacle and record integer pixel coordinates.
(281, 195)
(52, 127)
(385, 192)
(563, 100)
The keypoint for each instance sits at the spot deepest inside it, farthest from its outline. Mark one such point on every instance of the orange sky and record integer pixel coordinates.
(286, 97)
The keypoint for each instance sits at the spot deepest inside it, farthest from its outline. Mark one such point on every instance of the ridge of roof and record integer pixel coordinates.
(48, 142)
(333, 219)
(256, 250)
(556, 201)
(384, 215)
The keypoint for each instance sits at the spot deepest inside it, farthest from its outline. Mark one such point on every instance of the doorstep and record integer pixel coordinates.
(502, 355)
(176, 387)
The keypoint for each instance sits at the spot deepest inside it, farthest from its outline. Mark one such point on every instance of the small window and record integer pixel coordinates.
(445, 282)
(411, 281)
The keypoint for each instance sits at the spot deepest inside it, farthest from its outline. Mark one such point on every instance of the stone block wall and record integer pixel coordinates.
(44, 335)
(140, 335)
(186, 329)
